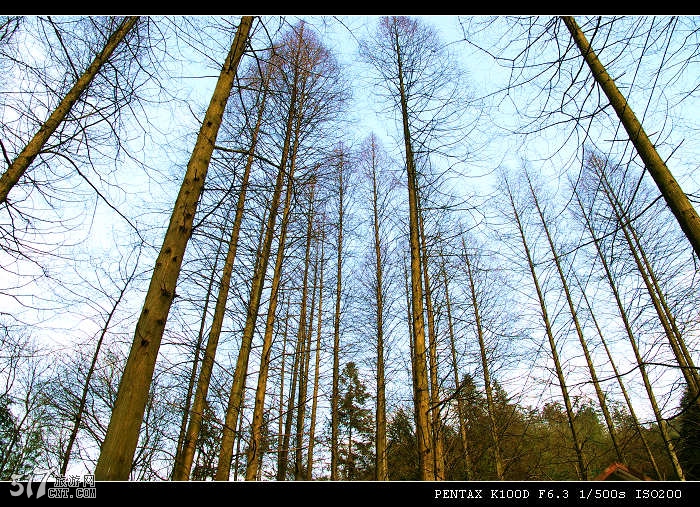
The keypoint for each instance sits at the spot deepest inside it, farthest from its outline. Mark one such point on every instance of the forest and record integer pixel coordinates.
(349, 248)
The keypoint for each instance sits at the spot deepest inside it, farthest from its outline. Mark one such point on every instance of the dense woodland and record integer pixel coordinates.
(349, 248)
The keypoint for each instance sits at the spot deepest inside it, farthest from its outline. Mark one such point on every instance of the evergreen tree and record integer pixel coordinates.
(356, 456)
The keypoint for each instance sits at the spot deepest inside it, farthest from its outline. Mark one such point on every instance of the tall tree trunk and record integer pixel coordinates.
(20, 164)
(381, 466)
(579, 331)
(314, 403)
(668, 444)
(288, 155)
(578, 448)
(438, 452)
(422, 395)
(493, 427)
(304, 335)
(183, 462)
(260, 393)
(335, 395)
(464, 440)
(119, 446)
(676, 199)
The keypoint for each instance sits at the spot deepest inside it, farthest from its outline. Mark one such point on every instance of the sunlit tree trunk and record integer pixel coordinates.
(579, 331)
(119, 446)
(422, 401)
(493, 427)
(578, 448)
(20, 164)
(260, 392)
(283, 460)
(183, 462)
(625, 394)
(314, 403)
(437, 443)
(280, 424)
(676, 199)
(240, 373)
(304, 336)
(464, 440)
(195, 363)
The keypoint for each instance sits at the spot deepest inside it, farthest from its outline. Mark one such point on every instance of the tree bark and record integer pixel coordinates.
(119, 446)
(579, 331)
(493, 427)
(676, 199)
(578, 448)
(183, 465)
(422, 395)
(20, 164)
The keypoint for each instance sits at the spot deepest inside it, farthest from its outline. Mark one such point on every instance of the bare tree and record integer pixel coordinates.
(122, 435)
(676, 199)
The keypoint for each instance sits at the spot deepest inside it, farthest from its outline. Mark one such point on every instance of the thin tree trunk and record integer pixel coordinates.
(381, 466)
(304, 335)
(195, 364)
(314, 404)
(280, 427)
(411, 341)
(260, 393)
(288, 154)
(119, 446)
(628, 401)
(422, 395)
(20, 164)
(88, 377)
(624, 225)
(283, 461)
(335, 396)
(579, 332)
(676, 199)
(677, 336)
(183, 463)
(438, 452)
(580, 464)
(464, 440)
(239, 435)
(668, 444)
(485, 367)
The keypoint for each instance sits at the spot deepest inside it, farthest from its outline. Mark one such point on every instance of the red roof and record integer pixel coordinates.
(620, 472)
